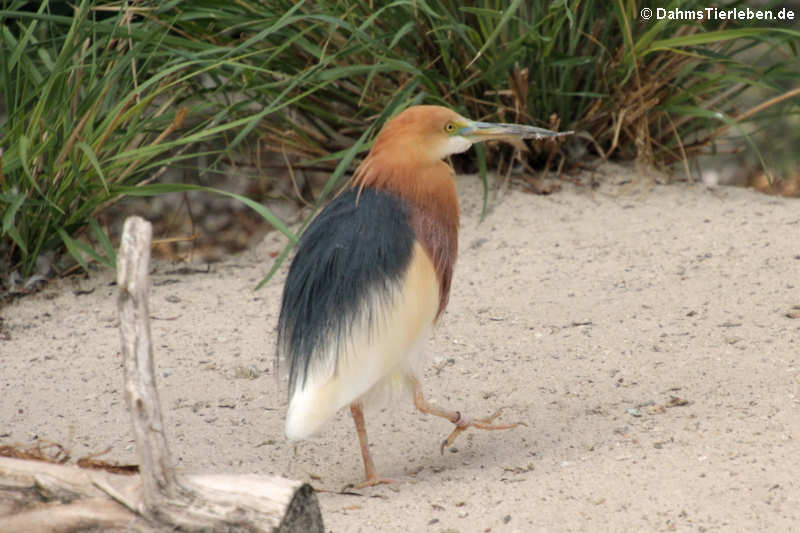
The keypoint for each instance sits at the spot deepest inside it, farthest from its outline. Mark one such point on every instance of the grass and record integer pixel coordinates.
(100, 99)
(662, 90)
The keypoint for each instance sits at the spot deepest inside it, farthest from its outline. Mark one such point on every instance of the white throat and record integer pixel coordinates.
(455, 145)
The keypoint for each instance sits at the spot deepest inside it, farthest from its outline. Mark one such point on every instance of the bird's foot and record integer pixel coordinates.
(462, 423)
(372, 481)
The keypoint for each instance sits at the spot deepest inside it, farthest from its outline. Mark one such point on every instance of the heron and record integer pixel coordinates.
(371, 277)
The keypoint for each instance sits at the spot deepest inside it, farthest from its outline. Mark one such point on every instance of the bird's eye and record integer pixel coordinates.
(450, 127)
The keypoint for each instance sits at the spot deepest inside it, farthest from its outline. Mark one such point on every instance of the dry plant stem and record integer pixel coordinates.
(292, 176)
(684, 158)
(617, 128)
(169, 240)
(176, 123)
(756, 109)
(127, 21)
(115, 121)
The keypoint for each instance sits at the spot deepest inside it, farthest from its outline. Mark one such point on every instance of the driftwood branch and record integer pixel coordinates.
(45, 497)
(141, 395)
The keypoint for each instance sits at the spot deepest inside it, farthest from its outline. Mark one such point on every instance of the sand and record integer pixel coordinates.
(644, 336)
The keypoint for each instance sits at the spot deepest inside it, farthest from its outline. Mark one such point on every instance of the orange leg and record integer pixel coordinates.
(461, 422)
(369, 466)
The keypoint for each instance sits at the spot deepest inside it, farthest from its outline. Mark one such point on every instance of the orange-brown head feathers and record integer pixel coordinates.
(423, 134)
(408, 151)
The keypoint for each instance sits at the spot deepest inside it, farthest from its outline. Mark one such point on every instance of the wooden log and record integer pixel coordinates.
(36, 496)
(53, 498)
(46, 497)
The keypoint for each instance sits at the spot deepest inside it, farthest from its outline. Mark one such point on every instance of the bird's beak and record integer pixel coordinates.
(488, 131)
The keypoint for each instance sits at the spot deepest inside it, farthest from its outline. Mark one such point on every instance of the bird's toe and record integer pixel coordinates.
(373, 481)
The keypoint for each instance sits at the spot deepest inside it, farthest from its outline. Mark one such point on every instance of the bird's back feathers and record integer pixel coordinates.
(353, 250)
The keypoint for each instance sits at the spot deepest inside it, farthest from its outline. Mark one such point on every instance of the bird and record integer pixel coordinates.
(371, 277)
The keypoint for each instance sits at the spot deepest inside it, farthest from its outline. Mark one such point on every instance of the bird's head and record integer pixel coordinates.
(432, 133)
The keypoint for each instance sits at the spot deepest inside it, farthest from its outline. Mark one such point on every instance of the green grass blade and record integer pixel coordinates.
(715, 37)
(8, 221)
(104, 242)
(86, 149)
(507, 14)
(77, 249)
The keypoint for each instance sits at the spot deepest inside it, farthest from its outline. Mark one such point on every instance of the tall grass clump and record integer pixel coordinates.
(661, 90)
(91, 104)
(99, 99)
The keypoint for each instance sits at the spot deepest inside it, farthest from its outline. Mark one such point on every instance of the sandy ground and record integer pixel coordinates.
(646, 340)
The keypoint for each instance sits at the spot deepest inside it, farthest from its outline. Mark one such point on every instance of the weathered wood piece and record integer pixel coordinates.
(43, 497)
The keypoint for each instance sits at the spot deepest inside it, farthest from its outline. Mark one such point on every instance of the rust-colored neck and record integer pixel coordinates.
(430, 192)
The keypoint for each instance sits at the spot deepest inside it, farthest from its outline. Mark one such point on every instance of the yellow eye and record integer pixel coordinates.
(450, 127)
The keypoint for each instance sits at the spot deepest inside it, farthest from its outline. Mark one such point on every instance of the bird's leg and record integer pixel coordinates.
(369, 466)
(461, 422)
